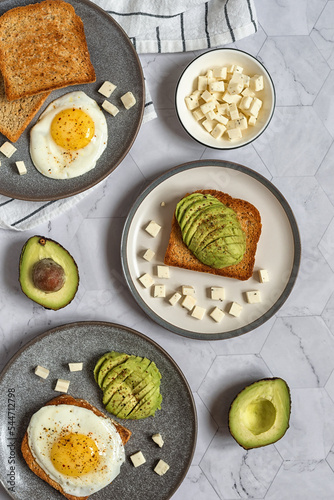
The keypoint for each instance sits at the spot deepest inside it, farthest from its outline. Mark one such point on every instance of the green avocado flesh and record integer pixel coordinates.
(130, 385)
(211, 230)
(260, 414)
(42, 254)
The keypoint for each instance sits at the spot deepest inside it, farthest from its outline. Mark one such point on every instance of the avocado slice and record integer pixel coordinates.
(126, 380)
(211, 230)
(147, 405)
(48, 273)
(260, 413)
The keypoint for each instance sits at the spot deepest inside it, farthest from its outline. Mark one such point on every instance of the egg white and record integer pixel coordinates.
(47, 425)
(52, 160)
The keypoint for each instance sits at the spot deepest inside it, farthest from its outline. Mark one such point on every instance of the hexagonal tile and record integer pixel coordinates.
(303, 480)
(300, 350)
(290, 69)
(311, 432)
(326, 245)
(227, 376)
(282, 136)
(288, 18)
(195, 485)
(207, 428)
(328, 314)
(236, 473)
(323, 33)
(325, 175)
(324, 105)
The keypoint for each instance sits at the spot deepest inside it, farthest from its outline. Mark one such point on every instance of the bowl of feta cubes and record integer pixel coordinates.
(225, 98)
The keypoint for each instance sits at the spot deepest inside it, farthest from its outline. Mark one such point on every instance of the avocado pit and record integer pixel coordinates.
(259, 416)
(48, 276)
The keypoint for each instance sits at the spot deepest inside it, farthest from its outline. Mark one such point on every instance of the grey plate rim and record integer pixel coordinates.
(296, 259)
(111, 325)
(93, 183)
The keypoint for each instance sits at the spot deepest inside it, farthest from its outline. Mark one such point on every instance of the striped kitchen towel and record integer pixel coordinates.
(154, 26)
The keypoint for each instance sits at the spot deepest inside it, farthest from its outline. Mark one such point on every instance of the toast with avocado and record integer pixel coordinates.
(214, 233)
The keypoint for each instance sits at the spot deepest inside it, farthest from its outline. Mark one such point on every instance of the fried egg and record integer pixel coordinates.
(76, 448)
(69, 137)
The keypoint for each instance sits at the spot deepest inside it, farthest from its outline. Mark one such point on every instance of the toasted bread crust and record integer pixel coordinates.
(16, 115)
(43, 47)
(178, 255)
(28, 456)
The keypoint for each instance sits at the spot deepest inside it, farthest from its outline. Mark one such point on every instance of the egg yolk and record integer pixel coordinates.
(75, 455)
(72, 129)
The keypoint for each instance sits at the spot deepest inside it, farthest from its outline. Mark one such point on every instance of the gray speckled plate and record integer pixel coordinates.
(114, 59)
(22, 393)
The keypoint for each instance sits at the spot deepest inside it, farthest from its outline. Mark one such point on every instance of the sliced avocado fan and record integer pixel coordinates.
(211, 230)
(260, 413)
(130, 385)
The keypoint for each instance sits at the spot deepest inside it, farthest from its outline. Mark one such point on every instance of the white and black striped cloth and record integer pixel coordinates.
(154, 26)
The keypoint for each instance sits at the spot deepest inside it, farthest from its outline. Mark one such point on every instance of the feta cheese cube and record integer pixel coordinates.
(217, 293)
(217, 314)
(153, 228)
(110, 108)
(208, 124)
(7, 149)
(137, 459)
(207, 96)
(189, 302)
(198, 114)
(174, 298)
(198, 312)
(247, 92)
(235, 309)
(223, 109)
(148, 255)
(263, 276)
(245, 102)
(218, 131)
(62, 385)
(21, 168)
(221, 118)
(146, 280)
(208, 106)
(252, 121)
(217, 86)
(107, 88)
(157, 438)
(163, 272)
(188, 290)
(75, 367)
(234, 113)
(42, 372)
(229, 98)
(235, 86)
(128, 100)
(234, 134)
(256, 83)
(211, 115)
(161, 468)
(202, 82)
(220, 73)
(255, 107)
(246, 80)
(253, 296)
(192, 102)
(238, 69)
(209, 73)
(241, 122)
(159, 291)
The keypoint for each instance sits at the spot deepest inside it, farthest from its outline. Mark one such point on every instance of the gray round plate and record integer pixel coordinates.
(22, 393)
(114, 59)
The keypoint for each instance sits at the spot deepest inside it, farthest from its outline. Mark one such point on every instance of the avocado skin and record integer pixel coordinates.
(130, 385)
(273, 394)
(37, 248)
(211, 230)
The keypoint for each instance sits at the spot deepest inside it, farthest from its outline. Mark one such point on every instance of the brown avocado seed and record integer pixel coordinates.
(48, 276)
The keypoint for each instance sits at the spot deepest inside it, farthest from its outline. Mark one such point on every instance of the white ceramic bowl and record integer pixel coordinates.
(188, 83)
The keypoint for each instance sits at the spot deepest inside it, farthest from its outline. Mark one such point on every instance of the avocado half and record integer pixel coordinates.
(260, 413)
(40, 254)
(130, 385)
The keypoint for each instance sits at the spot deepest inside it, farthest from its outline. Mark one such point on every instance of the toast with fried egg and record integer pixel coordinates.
(27, 453)
(43, 47)
(179, 255)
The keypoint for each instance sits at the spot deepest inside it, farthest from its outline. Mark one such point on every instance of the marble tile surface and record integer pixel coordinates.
(295, 41)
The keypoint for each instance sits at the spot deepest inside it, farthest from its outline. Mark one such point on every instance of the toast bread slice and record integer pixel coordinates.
(29, 458)
(43, 47)
(178, 255)
(16, 115)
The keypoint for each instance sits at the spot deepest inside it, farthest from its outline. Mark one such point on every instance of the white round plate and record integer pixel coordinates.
(188, 83)
(278, 250)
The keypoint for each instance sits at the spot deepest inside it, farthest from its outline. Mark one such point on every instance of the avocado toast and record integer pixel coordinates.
(179, 254)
